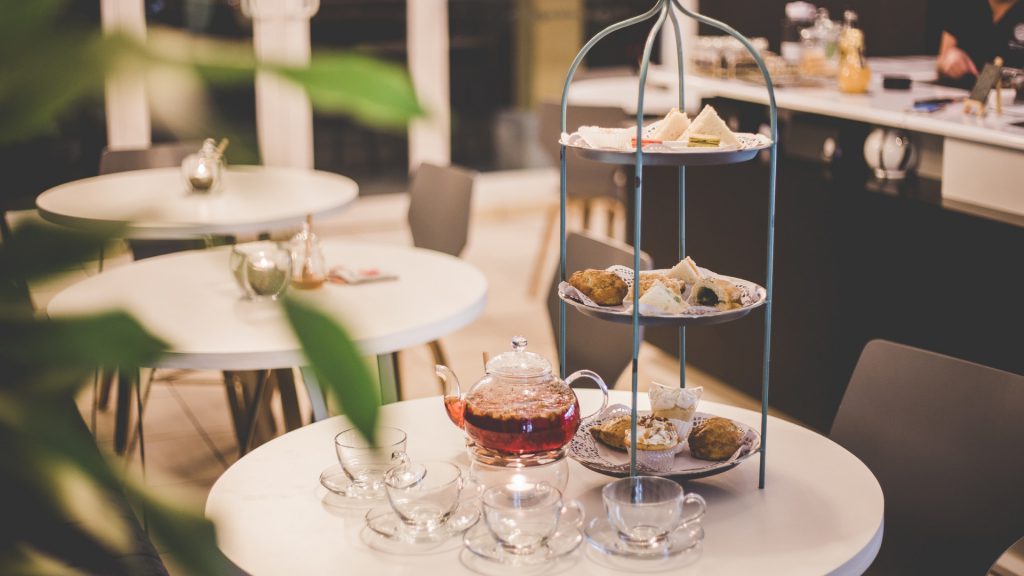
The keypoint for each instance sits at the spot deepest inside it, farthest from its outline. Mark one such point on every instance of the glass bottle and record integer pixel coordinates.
(819, 54)
(309, 270)
(854, 73)
(799, 15)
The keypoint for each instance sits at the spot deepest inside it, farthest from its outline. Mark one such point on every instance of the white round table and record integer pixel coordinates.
(820, 512)
(191, 300)
(153, 203)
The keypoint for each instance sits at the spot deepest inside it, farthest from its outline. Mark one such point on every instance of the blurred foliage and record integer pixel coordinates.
(61, 498)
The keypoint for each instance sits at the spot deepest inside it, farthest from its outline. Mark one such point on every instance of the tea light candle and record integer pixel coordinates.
(519, 487)
(265, 277)
(201, 178)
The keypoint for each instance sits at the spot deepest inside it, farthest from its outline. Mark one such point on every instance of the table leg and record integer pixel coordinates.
(387, 369)
(285, 380)
(317, 402)
(123, 412)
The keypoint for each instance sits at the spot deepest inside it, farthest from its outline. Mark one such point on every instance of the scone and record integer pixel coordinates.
(603, 287)
(717, 293)
(673, 402)
(612, 432)
(715, 439)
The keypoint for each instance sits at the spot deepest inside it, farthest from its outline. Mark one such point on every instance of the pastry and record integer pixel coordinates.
(708, 123)
(703, 141)
(671, 127)
(648, 279)
(673, 402)
(612, 432)
(659, 299)
(686, 271)
(657, 441)
(652, 434)
(603, 287)
(715, 439)
(717, 293)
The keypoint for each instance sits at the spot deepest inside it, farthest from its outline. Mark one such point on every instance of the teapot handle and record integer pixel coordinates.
(600, 382)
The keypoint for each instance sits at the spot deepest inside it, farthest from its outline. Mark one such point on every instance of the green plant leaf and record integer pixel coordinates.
(188, 537)
(371, 90)
(109, 339)
(338, 364)
(37, 251)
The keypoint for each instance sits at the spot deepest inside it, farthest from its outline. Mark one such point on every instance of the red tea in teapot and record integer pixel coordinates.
(522, 420)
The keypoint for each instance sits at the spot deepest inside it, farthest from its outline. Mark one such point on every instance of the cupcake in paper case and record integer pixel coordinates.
(674, 403)
(657, 443)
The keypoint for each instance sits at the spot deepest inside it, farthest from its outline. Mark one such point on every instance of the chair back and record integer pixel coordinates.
(156, 156)
(586, 179)
(945, 438)
(598, 345)
(439, 203)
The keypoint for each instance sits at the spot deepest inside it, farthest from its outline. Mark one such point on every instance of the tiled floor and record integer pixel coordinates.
(189, 438)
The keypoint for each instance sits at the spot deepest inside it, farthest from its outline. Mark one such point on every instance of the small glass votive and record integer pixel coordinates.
(266, 273)
(203, 171)
(239, 254)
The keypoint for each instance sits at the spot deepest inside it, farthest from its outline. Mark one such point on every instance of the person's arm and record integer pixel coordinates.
(953, 62)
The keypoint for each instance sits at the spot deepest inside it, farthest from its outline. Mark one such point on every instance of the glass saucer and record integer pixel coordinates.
(480, 541)
(387, 533)
(345, 494)
(683, 547)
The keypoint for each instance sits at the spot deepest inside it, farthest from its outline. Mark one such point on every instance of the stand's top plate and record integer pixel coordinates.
(671, 154)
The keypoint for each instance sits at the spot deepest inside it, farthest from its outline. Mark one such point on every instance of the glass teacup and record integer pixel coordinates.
(645, 510)
(365, 464)
(424, 494)
(523, 516)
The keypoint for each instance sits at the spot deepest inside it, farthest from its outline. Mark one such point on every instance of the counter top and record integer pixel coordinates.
(879, 106)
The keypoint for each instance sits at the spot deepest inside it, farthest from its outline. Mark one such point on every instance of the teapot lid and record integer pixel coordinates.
(519, 363)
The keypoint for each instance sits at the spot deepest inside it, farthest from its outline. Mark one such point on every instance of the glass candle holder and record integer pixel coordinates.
(265, 273)
(203, 171)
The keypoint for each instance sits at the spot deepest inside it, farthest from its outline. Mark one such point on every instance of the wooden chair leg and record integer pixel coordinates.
(255, 415)
(107, 376)
(550, 224)
(236, 403)
(122, 416)
(285, 380)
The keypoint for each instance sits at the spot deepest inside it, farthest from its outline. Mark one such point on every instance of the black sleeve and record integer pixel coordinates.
(955, 15)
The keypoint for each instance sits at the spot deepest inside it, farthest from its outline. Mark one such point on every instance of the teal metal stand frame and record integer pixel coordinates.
(667, 10)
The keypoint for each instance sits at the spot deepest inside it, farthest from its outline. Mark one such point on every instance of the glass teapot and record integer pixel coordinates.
(519, 412)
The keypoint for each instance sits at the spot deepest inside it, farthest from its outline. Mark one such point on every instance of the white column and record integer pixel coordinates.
(427, 47)
(669, 56)
(128, 124)
(284, 116)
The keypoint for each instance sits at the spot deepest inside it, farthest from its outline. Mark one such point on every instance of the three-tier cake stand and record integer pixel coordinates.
(662, 11)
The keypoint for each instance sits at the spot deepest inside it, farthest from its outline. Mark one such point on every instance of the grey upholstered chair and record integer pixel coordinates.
(589, 184)
(945, 438)
(604, 347)
(439, 203)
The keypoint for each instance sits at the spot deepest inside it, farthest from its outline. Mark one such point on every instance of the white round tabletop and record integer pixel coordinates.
(191, 300)
(820, 512)
(154, 204)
